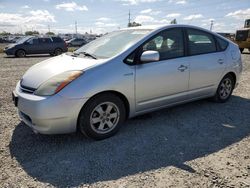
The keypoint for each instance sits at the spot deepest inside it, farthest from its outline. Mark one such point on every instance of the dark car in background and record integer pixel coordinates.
(76, 42)
(37, 45)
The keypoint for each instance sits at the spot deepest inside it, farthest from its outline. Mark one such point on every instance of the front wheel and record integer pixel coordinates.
(225, 89)
(20, 53)
(102, 116)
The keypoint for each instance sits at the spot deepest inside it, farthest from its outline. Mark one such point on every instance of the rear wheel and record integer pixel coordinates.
(225, 89)
(241, 50)
(20, 53)
(58, 51)
(102, 116)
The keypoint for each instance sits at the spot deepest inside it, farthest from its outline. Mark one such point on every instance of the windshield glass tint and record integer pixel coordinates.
(23, 39)
(113, 43)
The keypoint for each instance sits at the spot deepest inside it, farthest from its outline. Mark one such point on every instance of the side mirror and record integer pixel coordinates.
(26, 43)
(150, 56)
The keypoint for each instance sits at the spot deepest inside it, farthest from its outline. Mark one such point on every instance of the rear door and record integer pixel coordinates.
(207, 64)
(46, 45)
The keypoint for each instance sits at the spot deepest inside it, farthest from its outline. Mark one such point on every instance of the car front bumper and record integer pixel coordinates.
(48, 115)
(9, 51)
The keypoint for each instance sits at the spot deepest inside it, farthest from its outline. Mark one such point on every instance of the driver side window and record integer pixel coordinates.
(32, 41)
(168, 43)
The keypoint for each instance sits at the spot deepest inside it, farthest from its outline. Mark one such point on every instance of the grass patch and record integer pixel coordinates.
(72, 49)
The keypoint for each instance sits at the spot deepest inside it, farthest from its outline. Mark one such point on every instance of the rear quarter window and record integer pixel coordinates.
(57, 39)
(221, 44)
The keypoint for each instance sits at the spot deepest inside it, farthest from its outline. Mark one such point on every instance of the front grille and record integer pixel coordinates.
(26, 89)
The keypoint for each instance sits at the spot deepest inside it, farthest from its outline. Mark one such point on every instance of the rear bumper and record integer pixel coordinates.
(48, 115)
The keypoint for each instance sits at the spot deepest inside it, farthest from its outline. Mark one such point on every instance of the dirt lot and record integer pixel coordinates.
(201, 144)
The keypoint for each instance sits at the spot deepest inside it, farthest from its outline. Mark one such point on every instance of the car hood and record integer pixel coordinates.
(43, 71)
(10, 46)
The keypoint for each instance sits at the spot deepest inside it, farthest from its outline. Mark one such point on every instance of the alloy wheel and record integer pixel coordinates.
(104, 117)
(225, 88)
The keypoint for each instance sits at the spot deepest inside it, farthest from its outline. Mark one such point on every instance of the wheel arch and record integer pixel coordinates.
(20, 49)
(233, 75)
(117, 93)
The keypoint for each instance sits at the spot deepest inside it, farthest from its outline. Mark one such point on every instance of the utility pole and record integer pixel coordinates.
(76, 26)
(129, 18)
(211, 25)
(49, 28)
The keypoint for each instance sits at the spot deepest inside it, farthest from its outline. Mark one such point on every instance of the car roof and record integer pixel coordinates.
(166, 26)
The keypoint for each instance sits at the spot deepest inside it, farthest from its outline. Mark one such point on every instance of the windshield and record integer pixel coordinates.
(113, 43)
(23, 39)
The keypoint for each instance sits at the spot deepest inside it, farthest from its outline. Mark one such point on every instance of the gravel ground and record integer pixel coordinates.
(201, 144)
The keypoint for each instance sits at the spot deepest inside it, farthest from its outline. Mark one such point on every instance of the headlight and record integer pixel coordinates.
(57, 83)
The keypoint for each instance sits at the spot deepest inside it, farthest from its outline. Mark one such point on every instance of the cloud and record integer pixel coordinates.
(102, 24)
(150, 12)
(173, 15)
(193, 16)
(25, 6)
(31, 19)
(103, 19)
(182, 2)
(178, 2)
(71, 6)
(146, 11)
(41, 16)
(136, 2)
(143, 19)
(240, 14)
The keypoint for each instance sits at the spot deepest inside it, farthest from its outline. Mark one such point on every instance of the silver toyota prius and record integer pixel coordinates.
(124, 74)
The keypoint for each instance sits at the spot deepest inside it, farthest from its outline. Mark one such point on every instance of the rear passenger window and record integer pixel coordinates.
(200, 42)
(45, 40)
(222, 44)
(56, 39)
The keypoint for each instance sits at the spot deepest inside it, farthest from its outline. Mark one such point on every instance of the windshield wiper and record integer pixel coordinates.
(86, 54)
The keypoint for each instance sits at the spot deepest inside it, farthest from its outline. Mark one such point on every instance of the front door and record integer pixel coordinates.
(166, 81)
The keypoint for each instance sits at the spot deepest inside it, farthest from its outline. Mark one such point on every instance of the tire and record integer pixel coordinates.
(20, 53)
(241, 50)
(58, 51)
(225, 89)
(102, 116)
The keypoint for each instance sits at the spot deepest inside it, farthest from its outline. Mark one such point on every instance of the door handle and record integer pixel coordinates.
(182, 68)
(220, 61)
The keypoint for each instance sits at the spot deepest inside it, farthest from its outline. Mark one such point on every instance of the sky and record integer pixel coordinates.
(101, 16)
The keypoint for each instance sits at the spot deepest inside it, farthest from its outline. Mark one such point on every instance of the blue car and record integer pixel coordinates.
(37, 45)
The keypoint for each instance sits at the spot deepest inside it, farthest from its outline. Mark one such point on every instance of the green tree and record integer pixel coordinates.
(31, 33)
(174, 21)
(134, 24)
(50, 33)
(4, 33)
